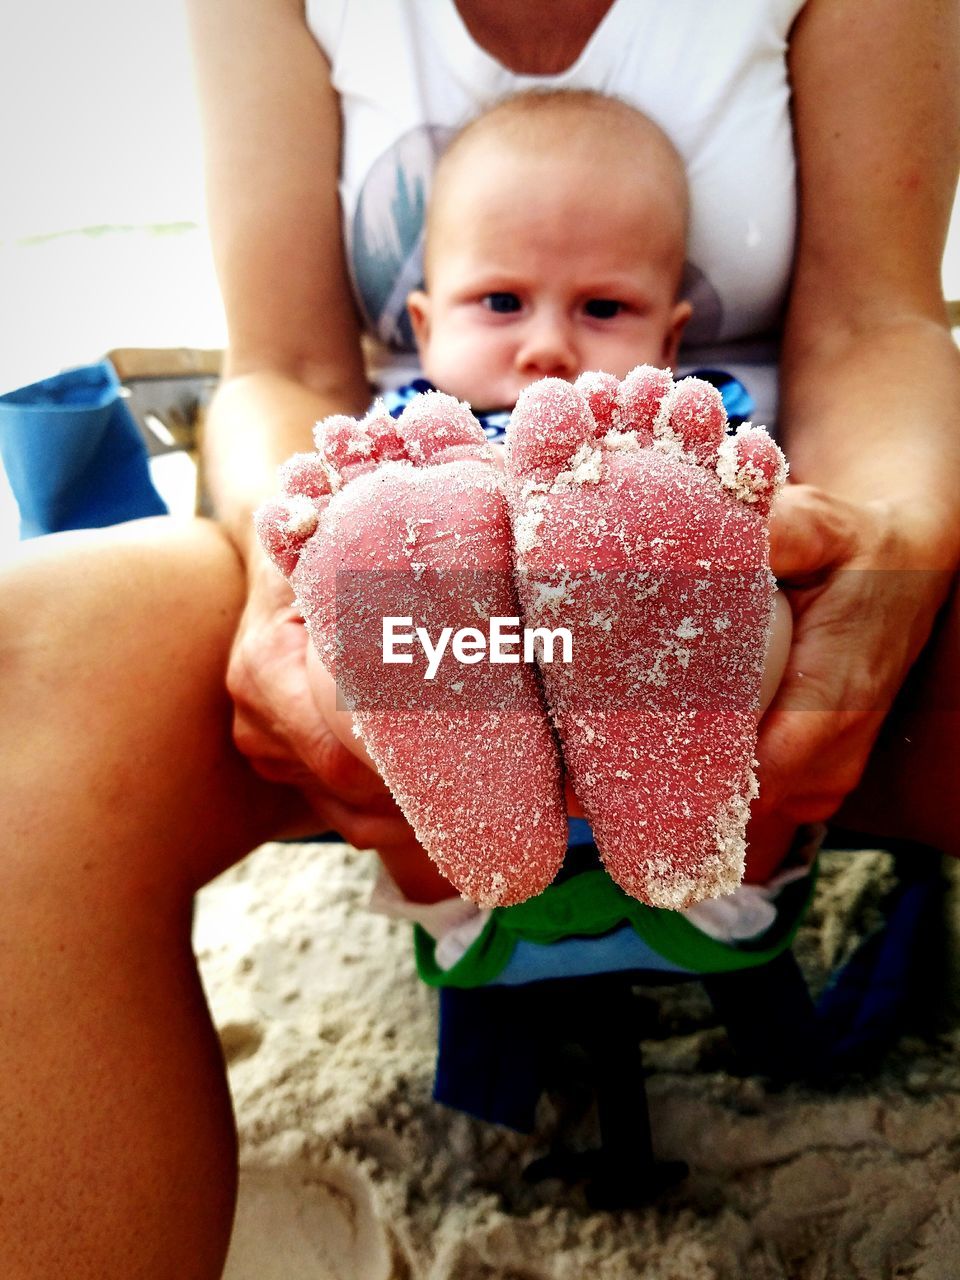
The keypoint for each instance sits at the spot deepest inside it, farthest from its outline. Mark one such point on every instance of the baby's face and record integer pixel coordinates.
(539, 268)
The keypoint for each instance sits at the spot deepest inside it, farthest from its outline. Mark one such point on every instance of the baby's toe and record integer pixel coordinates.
(551, 423)
(284, 527)
(698, 419)
(643, 401)
(345, 447)
(388, 442)
(752, 466)
(600, 392)
(305, 476)
(439, 428)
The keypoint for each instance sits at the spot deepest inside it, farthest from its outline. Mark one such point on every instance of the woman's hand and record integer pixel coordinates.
(286, 721)
(864, 585)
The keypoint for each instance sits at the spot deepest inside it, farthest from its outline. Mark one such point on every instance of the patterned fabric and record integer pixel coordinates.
(494, 424)
(736, 400)
(583, 923)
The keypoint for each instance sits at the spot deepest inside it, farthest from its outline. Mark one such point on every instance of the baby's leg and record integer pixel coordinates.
(644, 530)
(407, 520)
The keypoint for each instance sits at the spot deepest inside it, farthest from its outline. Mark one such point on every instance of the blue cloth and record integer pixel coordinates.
(496, 1042)
(622, 951)
(736, 400)
(579, 832)
(73, 454)
(893, 969)
(498, 1046)
(489, 1059)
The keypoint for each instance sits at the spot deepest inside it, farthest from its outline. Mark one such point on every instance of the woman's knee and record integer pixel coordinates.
(113, 647)
(66, 590)
(112, 624)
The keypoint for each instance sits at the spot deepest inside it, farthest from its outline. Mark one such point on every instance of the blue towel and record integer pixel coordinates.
(73, 454)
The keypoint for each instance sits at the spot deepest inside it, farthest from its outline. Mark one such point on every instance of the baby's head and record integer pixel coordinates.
(555, 243)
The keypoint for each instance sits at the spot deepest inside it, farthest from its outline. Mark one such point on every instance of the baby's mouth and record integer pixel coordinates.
(510, 403)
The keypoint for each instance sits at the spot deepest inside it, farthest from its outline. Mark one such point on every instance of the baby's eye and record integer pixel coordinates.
(502, 303)
(603, 308)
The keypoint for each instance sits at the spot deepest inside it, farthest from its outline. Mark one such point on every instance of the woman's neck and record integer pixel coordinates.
(533, 40)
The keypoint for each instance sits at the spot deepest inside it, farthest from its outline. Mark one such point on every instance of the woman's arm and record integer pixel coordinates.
(877, 119)
(870, 384)
(272, 141)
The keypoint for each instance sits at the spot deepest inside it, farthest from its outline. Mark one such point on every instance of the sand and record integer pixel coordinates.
(350, 1172)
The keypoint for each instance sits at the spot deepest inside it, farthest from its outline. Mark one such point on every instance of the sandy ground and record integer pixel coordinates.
(350, 1172)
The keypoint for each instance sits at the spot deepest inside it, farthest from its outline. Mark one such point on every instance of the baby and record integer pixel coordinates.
(555, 247)
(543, 267)
(631, 518)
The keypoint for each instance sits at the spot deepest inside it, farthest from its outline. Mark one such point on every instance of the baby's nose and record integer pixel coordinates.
(547, 349)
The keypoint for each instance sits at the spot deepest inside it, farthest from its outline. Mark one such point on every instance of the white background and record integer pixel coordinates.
(98, 129)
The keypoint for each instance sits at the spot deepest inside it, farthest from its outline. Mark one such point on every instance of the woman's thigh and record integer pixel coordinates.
(911, 786)
(117, 726)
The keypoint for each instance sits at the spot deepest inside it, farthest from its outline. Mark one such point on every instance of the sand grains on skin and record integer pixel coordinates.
(642, 527)
(408, 519)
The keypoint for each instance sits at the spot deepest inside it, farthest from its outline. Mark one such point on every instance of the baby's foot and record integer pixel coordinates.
(408, 520)
(643, 529)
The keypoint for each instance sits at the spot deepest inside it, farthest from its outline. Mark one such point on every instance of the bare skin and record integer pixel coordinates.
(103, 1028)
(119, 1161)
(532, 48)
(871, 415)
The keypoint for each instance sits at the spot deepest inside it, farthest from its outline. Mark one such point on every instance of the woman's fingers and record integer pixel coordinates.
(809, 761)
(863, 604)
(280, 721)
(326, 698)
(810, 531)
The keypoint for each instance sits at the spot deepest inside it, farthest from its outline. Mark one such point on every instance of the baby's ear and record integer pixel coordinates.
(679, 317)
(418, 306)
